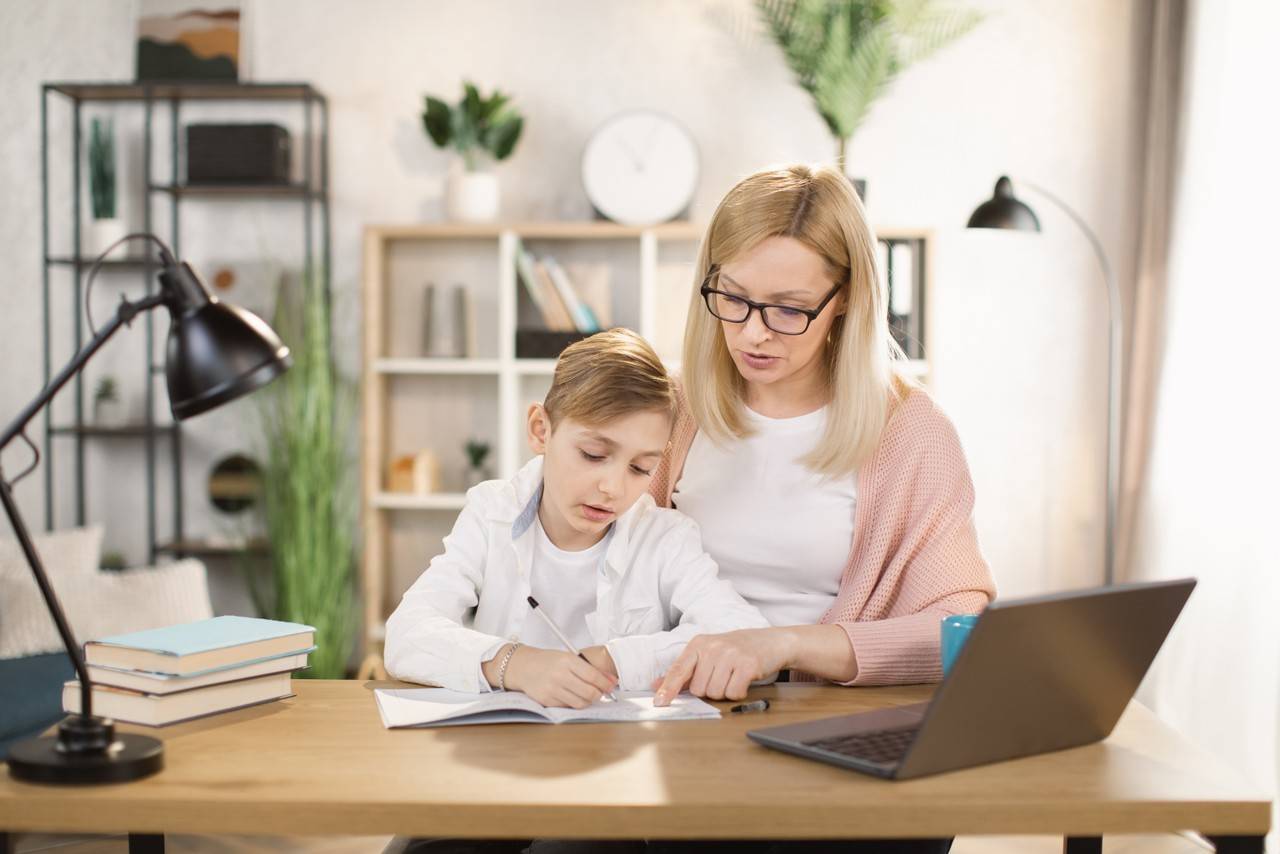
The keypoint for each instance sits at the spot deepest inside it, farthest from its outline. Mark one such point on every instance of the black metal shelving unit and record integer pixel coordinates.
(312, 192)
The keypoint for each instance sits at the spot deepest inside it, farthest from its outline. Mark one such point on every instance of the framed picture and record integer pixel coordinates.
(180, 40)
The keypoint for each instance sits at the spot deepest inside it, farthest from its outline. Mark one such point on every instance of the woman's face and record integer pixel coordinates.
(783, 271)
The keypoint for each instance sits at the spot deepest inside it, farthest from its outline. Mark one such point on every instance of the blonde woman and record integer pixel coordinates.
(828, 487)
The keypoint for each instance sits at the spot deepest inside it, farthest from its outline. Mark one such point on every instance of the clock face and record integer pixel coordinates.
(640, 168)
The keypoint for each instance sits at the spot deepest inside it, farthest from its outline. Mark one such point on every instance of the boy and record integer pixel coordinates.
(625, 580)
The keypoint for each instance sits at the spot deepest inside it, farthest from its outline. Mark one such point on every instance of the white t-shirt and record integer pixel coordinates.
(564, 583)
(779, 532)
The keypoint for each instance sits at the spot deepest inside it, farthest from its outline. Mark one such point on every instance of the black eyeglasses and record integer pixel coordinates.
(783, 319)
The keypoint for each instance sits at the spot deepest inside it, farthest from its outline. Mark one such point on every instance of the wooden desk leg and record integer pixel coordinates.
(1082, 845)
(8, 842)
(1237, 844)
(146, 843)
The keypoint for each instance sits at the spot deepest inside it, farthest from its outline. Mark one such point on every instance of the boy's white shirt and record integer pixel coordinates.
(657, 590)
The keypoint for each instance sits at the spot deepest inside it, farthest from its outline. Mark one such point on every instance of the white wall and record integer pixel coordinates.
(1041, 90)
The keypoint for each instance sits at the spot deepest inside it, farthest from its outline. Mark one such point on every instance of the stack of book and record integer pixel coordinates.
(566, 303)
(176, 673)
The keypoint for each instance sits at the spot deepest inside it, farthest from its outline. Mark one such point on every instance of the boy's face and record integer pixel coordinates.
(592, 474)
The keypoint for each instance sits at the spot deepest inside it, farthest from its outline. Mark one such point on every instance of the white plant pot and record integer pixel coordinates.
(101, 234)
(473, 197)
(109, 413)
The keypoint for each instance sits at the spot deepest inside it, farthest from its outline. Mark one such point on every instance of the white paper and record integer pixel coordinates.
(424, 707)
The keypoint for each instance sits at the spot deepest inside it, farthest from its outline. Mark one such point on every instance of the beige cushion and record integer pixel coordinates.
(148, 597)
(70, 559)
(97, 604)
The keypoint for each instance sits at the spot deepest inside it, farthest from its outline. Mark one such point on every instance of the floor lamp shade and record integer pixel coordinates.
(1004, 210)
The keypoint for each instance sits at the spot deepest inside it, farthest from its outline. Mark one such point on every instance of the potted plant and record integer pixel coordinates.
(112, 562)
(107, 408)
(846, 53)
(483, 131)
(308, 494)
(106, 226)
(477, 453)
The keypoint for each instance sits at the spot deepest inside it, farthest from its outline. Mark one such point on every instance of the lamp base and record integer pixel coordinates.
(85, 750)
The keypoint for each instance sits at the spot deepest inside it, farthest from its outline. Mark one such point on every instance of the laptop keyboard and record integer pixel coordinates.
(886, 747)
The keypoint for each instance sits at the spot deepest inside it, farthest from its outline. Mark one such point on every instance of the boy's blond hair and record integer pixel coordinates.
(606, 376)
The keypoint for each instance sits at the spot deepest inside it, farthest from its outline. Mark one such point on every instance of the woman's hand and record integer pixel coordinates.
(556, 678)
(723, 666)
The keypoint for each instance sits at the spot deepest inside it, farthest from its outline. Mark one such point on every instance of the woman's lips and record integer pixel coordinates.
(596, 514)
(758, 360)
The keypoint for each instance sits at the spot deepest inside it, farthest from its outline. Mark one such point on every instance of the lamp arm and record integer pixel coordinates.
(1115, 382)
(124, 315)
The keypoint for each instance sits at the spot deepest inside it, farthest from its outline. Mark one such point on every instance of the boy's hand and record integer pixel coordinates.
(556, 678)
(601, 660)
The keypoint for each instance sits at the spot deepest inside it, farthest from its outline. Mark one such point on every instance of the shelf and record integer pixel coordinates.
(135, 264)
(535, 367)
(411, 501)
(185, 91)
(206, 548)
(288, 191)
(551, 230)
(128, 431)
(436, 366)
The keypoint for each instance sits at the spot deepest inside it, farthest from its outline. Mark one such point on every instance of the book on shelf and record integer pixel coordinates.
(591, 283)
(568, 298)
(584, 319)
(164, 683)
(428, 707)
(205, 646)
(555, 311)
(162, 709)
(529, 278)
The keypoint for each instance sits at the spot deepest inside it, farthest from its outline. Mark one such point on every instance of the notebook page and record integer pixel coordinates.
(407, 707)
(633, 706)
(401, 707)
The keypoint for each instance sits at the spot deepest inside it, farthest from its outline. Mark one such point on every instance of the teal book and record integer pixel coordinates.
(190, 649)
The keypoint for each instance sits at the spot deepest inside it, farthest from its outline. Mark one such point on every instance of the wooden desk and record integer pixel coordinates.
(322, 763)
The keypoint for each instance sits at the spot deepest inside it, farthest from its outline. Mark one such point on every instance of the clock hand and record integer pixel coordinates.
(648, 144)
(631, 155)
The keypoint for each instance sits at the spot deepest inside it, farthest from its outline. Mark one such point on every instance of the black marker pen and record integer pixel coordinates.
(753, 706)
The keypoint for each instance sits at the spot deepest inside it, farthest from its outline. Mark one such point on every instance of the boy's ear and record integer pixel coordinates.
(539, 428)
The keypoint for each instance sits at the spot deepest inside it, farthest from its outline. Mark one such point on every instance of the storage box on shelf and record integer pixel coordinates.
(479, 388)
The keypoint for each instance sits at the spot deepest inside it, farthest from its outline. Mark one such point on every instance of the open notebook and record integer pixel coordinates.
(423, 707)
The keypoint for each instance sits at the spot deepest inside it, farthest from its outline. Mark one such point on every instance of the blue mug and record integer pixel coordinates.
(955, 631)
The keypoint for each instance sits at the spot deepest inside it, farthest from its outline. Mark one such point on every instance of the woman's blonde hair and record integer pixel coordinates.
(608, 375)
(817, 206)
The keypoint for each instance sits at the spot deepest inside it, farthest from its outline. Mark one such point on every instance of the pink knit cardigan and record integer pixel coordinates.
(914, 558)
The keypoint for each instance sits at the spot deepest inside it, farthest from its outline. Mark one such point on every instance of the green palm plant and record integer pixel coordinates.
(308, 486)
(846, 53)
(477, 124)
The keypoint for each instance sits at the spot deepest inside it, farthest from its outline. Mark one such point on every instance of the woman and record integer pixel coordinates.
(829, 488)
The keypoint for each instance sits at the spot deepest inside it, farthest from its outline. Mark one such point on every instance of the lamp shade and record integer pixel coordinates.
(216, 352)
(1004, 210)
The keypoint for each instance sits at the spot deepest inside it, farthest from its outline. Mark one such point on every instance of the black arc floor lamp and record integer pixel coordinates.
(1005, 210)
(216, 352)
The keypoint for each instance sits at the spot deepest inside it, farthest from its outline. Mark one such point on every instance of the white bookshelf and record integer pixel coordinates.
(412, 402)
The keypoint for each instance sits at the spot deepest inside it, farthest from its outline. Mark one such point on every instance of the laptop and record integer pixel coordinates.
(1037, 674)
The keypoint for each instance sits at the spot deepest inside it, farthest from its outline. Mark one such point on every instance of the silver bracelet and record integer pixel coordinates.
(502, 668)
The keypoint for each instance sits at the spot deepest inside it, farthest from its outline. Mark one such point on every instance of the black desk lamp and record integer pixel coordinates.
(216, 352)
(1005, 210)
